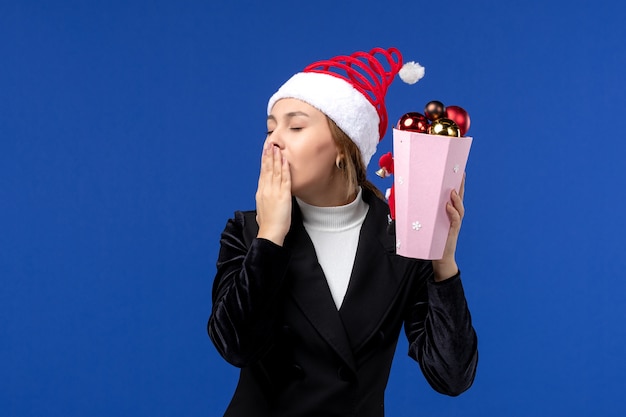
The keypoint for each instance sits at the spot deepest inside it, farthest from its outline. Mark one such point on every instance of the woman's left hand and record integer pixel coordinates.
(446, 267)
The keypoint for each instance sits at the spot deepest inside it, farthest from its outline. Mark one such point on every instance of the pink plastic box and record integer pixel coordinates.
(426, 169)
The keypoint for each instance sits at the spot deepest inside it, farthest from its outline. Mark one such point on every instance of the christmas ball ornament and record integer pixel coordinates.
(434, 110)
(414, 122)
(444, 127)
(459, 116)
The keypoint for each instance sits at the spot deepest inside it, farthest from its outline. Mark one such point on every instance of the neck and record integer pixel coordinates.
(329, 199)
(333, 193)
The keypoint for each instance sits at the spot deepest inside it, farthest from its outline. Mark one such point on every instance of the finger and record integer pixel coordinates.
(453, 214)
(277, 168)
(265, 165)
(286, 175)
(462, 188)
(457, 202)
(267, 155)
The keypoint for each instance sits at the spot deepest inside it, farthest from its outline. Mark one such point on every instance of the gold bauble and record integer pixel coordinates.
(444, 127)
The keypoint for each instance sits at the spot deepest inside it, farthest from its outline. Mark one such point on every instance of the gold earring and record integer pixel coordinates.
(339, 163)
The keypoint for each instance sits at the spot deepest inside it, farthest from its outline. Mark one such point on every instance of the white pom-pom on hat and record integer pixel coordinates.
(411, 72)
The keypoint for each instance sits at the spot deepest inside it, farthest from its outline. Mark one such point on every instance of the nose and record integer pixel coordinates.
(274, 139)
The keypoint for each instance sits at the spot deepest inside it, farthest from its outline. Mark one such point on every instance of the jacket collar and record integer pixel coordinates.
(351, 327)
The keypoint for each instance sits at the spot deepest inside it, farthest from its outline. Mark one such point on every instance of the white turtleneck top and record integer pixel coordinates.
(335, 234)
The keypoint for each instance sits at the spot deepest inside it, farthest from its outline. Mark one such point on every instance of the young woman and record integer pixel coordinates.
(309, 298)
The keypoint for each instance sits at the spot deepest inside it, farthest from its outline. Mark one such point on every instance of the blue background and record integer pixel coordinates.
(130, 131)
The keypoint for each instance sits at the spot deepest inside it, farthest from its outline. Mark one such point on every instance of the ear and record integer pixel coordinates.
(340, 161)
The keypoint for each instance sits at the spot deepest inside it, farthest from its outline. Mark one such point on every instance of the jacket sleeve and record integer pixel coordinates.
(441, 336)
(246, 287)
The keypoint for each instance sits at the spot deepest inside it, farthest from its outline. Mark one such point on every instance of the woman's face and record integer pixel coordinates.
(304, 138)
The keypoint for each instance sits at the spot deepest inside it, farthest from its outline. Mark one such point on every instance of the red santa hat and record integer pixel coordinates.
(351, 91)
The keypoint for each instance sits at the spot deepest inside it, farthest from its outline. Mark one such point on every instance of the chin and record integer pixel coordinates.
(299, 191)
(296, 192)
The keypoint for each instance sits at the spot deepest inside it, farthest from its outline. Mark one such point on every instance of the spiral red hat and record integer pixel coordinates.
(351, 89)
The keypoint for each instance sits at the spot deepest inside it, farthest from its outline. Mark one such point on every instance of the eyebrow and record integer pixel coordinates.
(289, 115)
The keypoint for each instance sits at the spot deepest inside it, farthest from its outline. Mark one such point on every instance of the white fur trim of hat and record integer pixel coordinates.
(341, 102)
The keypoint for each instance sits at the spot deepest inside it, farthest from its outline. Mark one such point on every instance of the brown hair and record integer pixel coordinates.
(353, 168)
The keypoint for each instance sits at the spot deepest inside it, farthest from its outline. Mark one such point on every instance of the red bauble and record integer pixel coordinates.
(434, 110)
(414, 122)
(460, 117)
